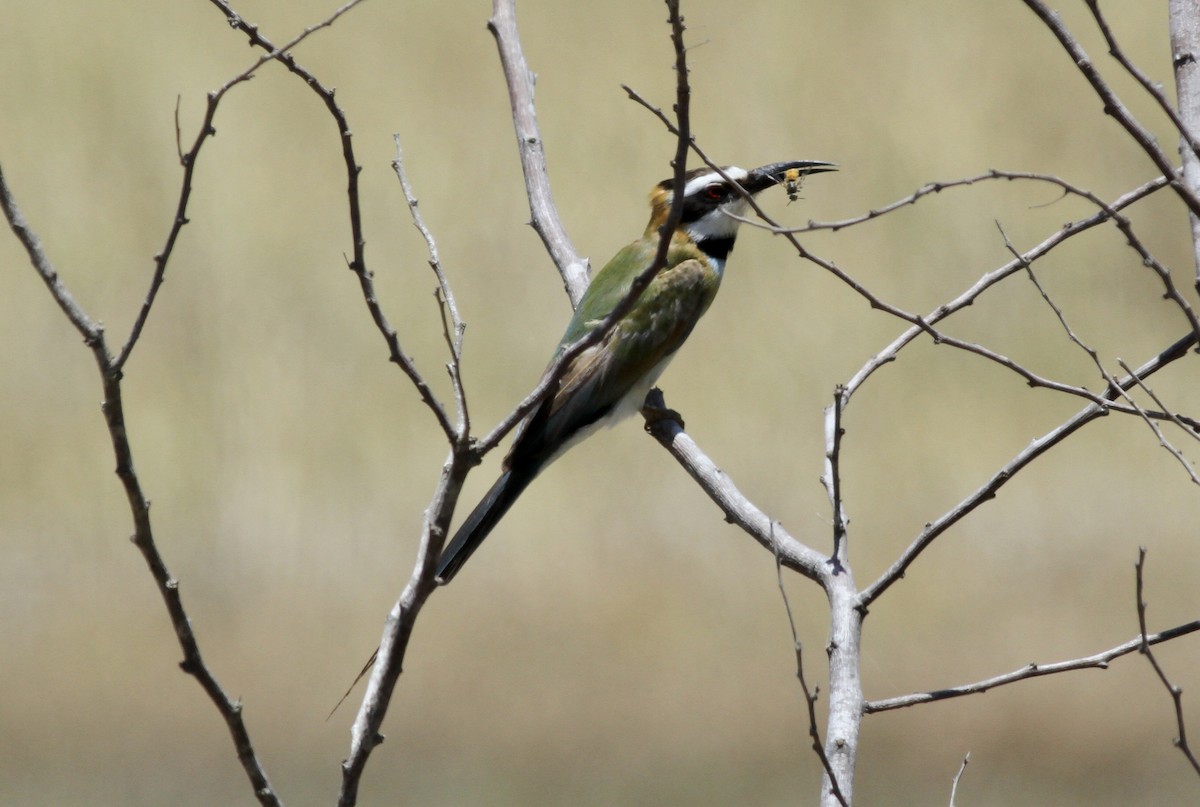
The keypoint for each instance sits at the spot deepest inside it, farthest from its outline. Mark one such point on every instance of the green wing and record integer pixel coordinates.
(600, 377)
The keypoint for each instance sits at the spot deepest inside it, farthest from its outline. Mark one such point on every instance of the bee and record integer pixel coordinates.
(791, 183)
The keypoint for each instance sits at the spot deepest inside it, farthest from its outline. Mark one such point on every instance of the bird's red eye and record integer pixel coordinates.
(714, 191)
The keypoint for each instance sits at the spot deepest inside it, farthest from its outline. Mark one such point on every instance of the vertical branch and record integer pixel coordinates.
(453, 328)
(1185, 56)
(544, 214)
(962, 768)
(365, 733)
(846, 699)
(810, 696)
(1181, 742)
(832, 477)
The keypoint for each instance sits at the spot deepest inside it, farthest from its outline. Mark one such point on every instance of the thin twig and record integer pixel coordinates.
(810, 696)
(358, 261)
(1098, 661)
(1144, 643)
(931, 189)
(1153, 89)
(139, 505)
(1131, 404)
(1035, 449)
(925, 324)
(1158, 432)
(957, 777)
(832, 478)
(453, 326)
(189, 162)
(1112, 103)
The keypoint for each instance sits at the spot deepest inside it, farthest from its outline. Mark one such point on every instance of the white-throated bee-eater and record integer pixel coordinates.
(609, 380)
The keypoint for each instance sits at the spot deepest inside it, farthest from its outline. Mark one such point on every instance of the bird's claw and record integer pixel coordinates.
(656, 411)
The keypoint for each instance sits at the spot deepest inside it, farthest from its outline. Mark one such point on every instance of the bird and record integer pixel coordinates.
(609, 380)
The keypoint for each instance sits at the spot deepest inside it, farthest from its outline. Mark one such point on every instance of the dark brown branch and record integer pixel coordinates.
(139, 505)
(358, 261)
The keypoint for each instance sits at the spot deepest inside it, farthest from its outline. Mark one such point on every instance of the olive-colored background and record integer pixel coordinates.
(615, 642)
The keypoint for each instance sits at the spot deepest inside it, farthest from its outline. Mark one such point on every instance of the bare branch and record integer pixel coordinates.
(832, 479)
(925, 324)
(113, 408)
(1185, 58)
(1121, 222)
(733, 503)
(810, 696)
(1153, 89)
(358, 261)
(1035, 449)
(143, 536)
(968, 297)
(545, 219)
(1132, 405)
(1098, 661)
(1112, 104)
(365, 733)
(1144, 642)
(92, 332)
(188, 161)
(931, 189)
(1162, 438)
(454, 328)
(957, 777)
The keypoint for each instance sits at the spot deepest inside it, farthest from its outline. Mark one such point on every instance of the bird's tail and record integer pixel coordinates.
(482, 520)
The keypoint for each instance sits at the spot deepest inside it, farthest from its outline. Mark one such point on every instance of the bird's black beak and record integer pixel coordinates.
(780, 173)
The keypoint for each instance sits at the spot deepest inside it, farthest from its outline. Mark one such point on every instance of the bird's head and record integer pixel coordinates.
(710, 201)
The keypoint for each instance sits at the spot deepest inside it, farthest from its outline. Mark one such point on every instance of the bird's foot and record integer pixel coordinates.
(656, 411)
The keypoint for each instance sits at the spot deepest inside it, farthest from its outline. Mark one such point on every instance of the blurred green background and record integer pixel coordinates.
(615, 642)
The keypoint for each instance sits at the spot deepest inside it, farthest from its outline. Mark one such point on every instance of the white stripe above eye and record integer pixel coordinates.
(699, 182)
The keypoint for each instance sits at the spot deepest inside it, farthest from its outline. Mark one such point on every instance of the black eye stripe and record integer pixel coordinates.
(697, 206)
